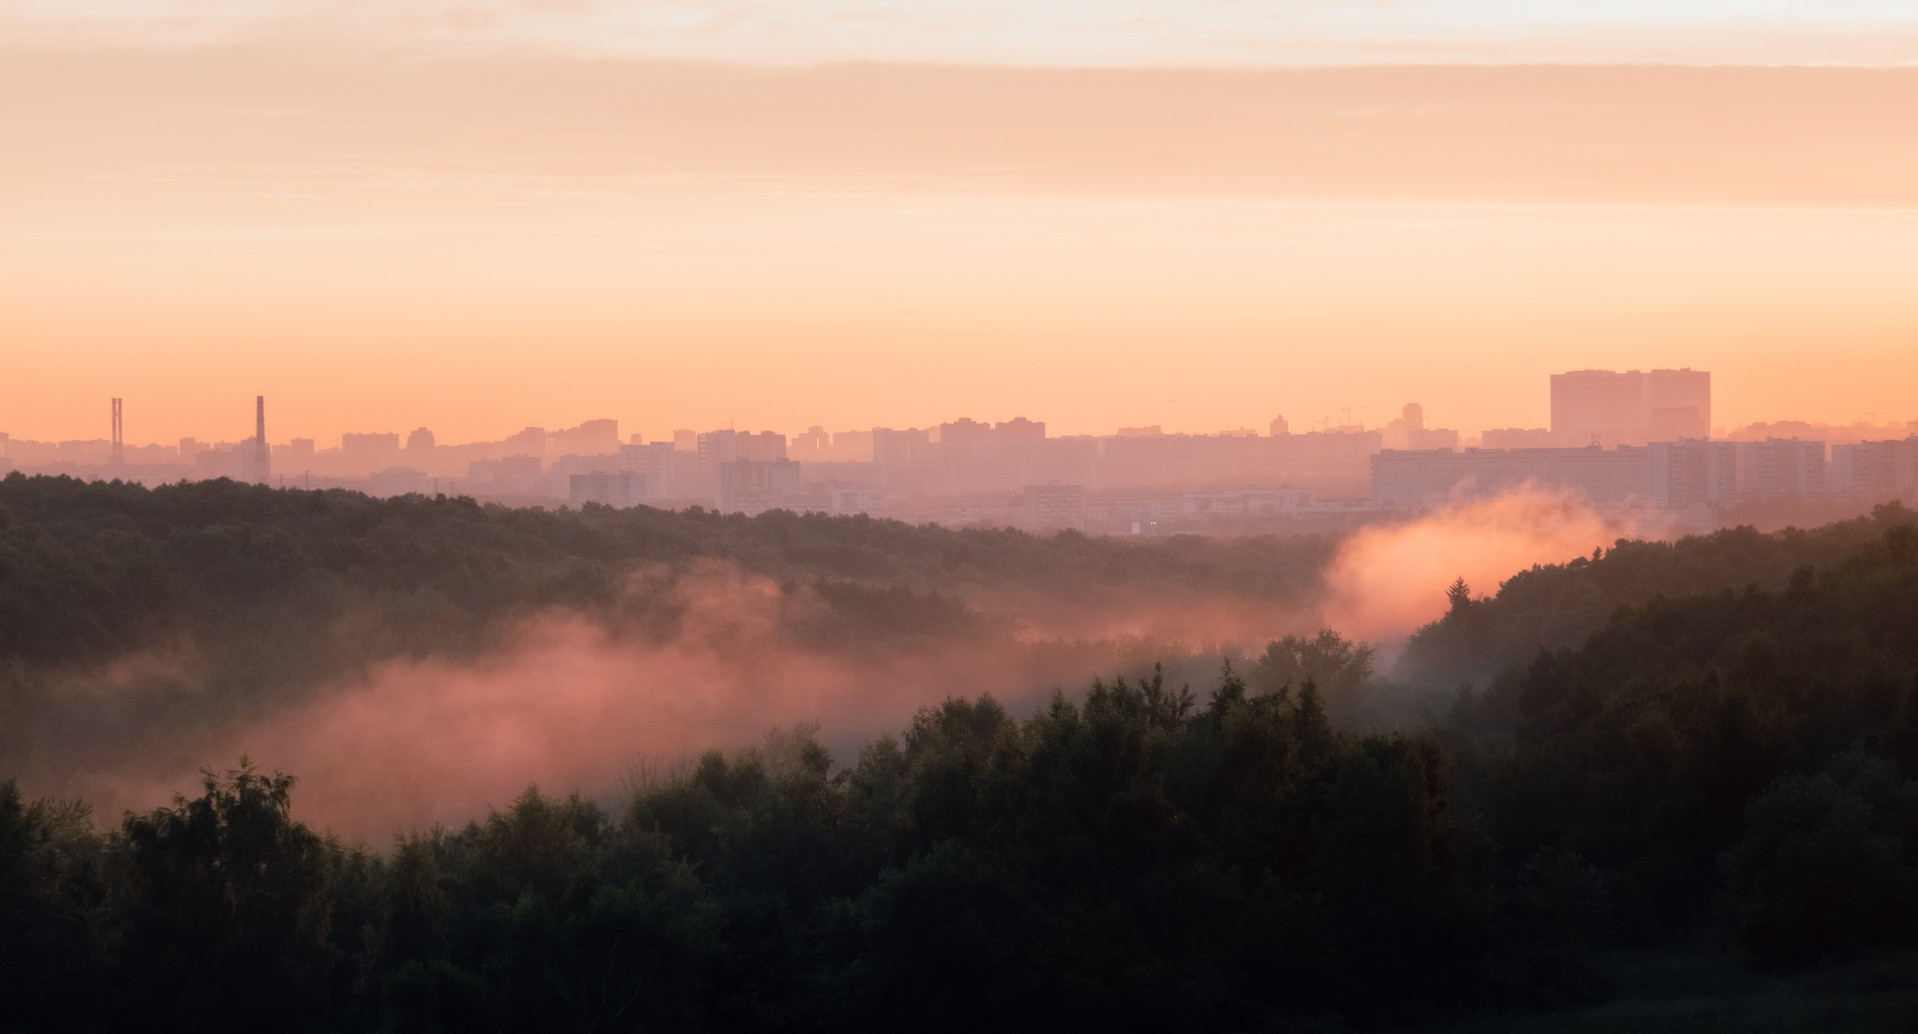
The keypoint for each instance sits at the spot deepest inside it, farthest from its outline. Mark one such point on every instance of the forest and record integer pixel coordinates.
(146, 631)
(1670, 785)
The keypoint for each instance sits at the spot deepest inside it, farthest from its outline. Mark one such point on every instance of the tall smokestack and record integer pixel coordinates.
(261, 459)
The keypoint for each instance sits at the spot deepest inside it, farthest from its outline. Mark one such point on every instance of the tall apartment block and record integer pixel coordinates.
(1600, 407)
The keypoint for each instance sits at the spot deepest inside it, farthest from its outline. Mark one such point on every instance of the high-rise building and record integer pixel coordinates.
(657, 466)
(1680, 403)
(911, 445)
(754, 486)
(1409, 432)
(814, 444)
(592, 438)
(530, 442)
(1604, 408)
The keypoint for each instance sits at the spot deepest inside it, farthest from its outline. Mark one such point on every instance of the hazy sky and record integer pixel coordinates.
(1121, 33)
(476, 216)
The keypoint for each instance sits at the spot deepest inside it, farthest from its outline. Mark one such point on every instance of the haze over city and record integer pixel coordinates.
(487, 215)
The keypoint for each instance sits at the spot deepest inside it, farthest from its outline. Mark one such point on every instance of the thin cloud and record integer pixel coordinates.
(1108, 33)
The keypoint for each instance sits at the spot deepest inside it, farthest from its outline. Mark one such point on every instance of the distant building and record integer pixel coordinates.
(964, 440)
(1019, 429)
(215, 463)
(717, 447)
(592, 438)
(815, 444)
(513, 476)
(1409, 432)
(658, 465)
(1417, 479)
(845, 500)
(1522, 438)
(852, 446)
(1678, 476)
(1876, 472)
(1781, 467)
(296, 455)
(755, 486)
(1691, 473)
(912, 445)
(619, 489)
(1631, 408)
(1680, 403)
(531, 441)
(421, 440)
(1055, 505)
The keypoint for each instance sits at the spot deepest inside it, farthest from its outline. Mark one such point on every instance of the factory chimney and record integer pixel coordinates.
(256, 460)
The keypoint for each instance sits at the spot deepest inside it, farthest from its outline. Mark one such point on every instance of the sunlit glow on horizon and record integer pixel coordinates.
(381, 230)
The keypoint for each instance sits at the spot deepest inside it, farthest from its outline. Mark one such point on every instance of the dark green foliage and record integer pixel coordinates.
(224, 909)
(1339, 668)
(53, 886)
(1736, 767)
(1558, 606)
(1828, 864)
(1688, 749)
(93, 569)
(1129, 859)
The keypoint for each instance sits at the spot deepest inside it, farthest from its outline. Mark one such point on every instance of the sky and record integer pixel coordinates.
(476, 216)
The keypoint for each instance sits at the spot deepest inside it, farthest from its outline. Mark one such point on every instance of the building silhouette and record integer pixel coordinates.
(1603, 408)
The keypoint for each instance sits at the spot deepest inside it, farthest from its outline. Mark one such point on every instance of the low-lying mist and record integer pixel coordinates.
(707, 654)
(571, 701)
(1387, 580)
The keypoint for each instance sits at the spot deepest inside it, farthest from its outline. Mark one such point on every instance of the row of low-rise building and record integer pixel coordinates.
(1675, 476)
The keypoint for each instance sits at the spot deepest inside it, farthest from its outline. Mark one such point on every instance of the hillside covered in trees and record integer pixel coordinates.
(94, 569)
(1725, 774)
(1552, 606)
(152, 630)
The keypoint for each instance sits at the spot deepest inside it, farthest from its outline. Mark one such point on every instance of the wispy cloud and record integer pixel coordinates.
(1072, 32)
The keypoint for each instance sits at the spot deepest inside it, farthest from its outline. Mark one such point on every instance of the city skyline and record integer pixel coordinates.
(1636, 444)
(399, 216)
(215, 430)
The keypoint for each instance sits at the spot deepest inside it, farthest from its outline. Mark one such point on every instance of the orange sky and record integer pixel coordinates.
(483, 238)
